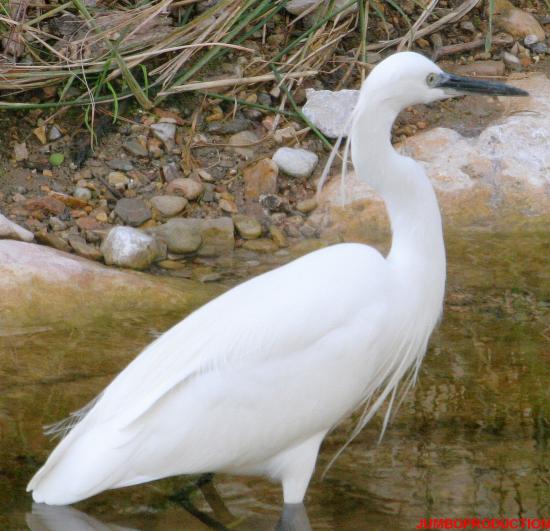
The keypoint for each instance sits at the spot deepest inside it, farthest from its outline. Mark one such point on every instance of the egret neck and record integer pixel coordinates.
(417, 251)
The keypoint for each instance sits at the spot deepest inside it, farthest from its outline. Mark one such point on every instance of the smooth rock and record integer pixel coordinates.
(278, 236)
(82, 193)
(42, 286)
(189, 188)
(295, 161)
(131, 248)
(135, 148)
(12, 231)
(260, 178)
(515, 21)
(54, 133)
(248, 227)
(132, 211)
(330, 111)
(181, 235)
(228, 205)
(168, 205)
(118, 180)
(244, 143)
(217, 237)
(171, 172)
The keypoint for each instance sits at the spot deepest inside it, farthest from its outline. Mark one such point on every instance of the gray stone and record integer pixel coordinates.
(229, 127)
(120, 164)
(118, 180)
(295, 161)
(169, 205)
(248, 227)
(82, 193)
(135, 148)
(330, 111)
(84, 249)
(217, 237)
(181, 235)
(132, 211)
(54, 134)
(165, 132)
(171, 172)
(131, 248)
(244, 143)
(11, 231)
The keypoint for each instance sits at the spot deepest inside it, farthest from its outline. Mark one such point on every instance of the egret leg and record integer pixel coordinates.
(295, 468)
(293, 518)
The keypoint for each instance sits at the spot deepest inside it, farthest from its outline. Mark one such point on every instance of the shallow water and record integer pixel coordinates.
(472, 439)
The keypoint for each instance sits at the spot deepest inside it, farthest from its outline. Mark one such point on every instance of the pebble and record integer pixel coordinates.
(102, 217)
(84, 249)
(132, 211)
(169, 205)
(260, 178)
(189, 188)
(243, 139)
(40, 133)
(530, 40)
(132, 248)
(120, 164)
(284, 134)
(217, 236)
(52, 240)
(539, 48)
(248, 227)
(515, 21)
(278, 236)
(306, 206)
(229, 127)
(118, 180)
(170, 172)
(181, 235)
(20, 151)
(12, 231)
(82, 193)
(229, 206)
(135, 148)
(56, 224)
(165, 132)
(262, 245)
(296, 162)
(329, 111)
(88, 223)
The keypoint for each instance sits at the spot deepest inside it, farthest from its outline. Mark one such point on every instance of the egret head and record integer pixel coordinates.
(408, 78)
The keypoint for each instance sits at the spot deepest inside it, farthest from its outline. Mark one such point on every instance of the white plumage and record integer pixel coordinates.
(300, 347)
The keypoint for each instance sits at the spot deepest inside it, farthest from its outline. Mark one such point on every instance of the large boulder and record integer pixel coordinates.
(42, 286)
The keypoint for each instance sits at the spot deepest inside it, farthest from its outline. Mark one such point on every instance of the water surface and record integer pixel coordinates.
(472, 439)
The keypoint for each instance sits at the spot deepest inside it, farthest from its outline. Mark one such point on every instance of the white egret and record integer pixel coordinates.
(253, 381)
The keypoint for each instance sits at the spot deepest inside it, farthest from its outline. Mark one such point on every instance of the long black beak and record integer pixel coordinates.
(472, 85)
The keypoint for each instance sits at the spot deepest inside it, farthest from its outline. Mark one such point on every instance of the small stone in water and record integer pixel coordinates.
(248, 227)
(306, 206)
(262, 245)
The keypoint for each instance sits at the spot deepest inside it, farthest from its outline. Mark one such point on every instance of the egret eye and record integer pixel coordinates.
(431, 80)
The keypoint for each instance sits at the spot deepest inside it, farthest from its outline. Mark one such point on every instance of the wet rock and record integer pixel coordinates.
(84, 249)
(181, 235)
(169, 205)
(244, 143)
(20, 151)
(262, 245)
(306, 206)
(515, 21)
(135, 148)
(217, 237)
(132, 211)
(329, 111)
(118, 180)
(52, 240)
(165, 132)
(228, 205)
(12, 231)
(260, 178)
(248, 227)
(131, 248)
(189, 188)
(229, 127)
(295, 161)
(120, 164)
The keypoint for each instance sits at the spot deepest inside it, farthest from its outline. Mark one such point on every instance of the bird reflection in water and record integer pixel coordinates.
(65, 518)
